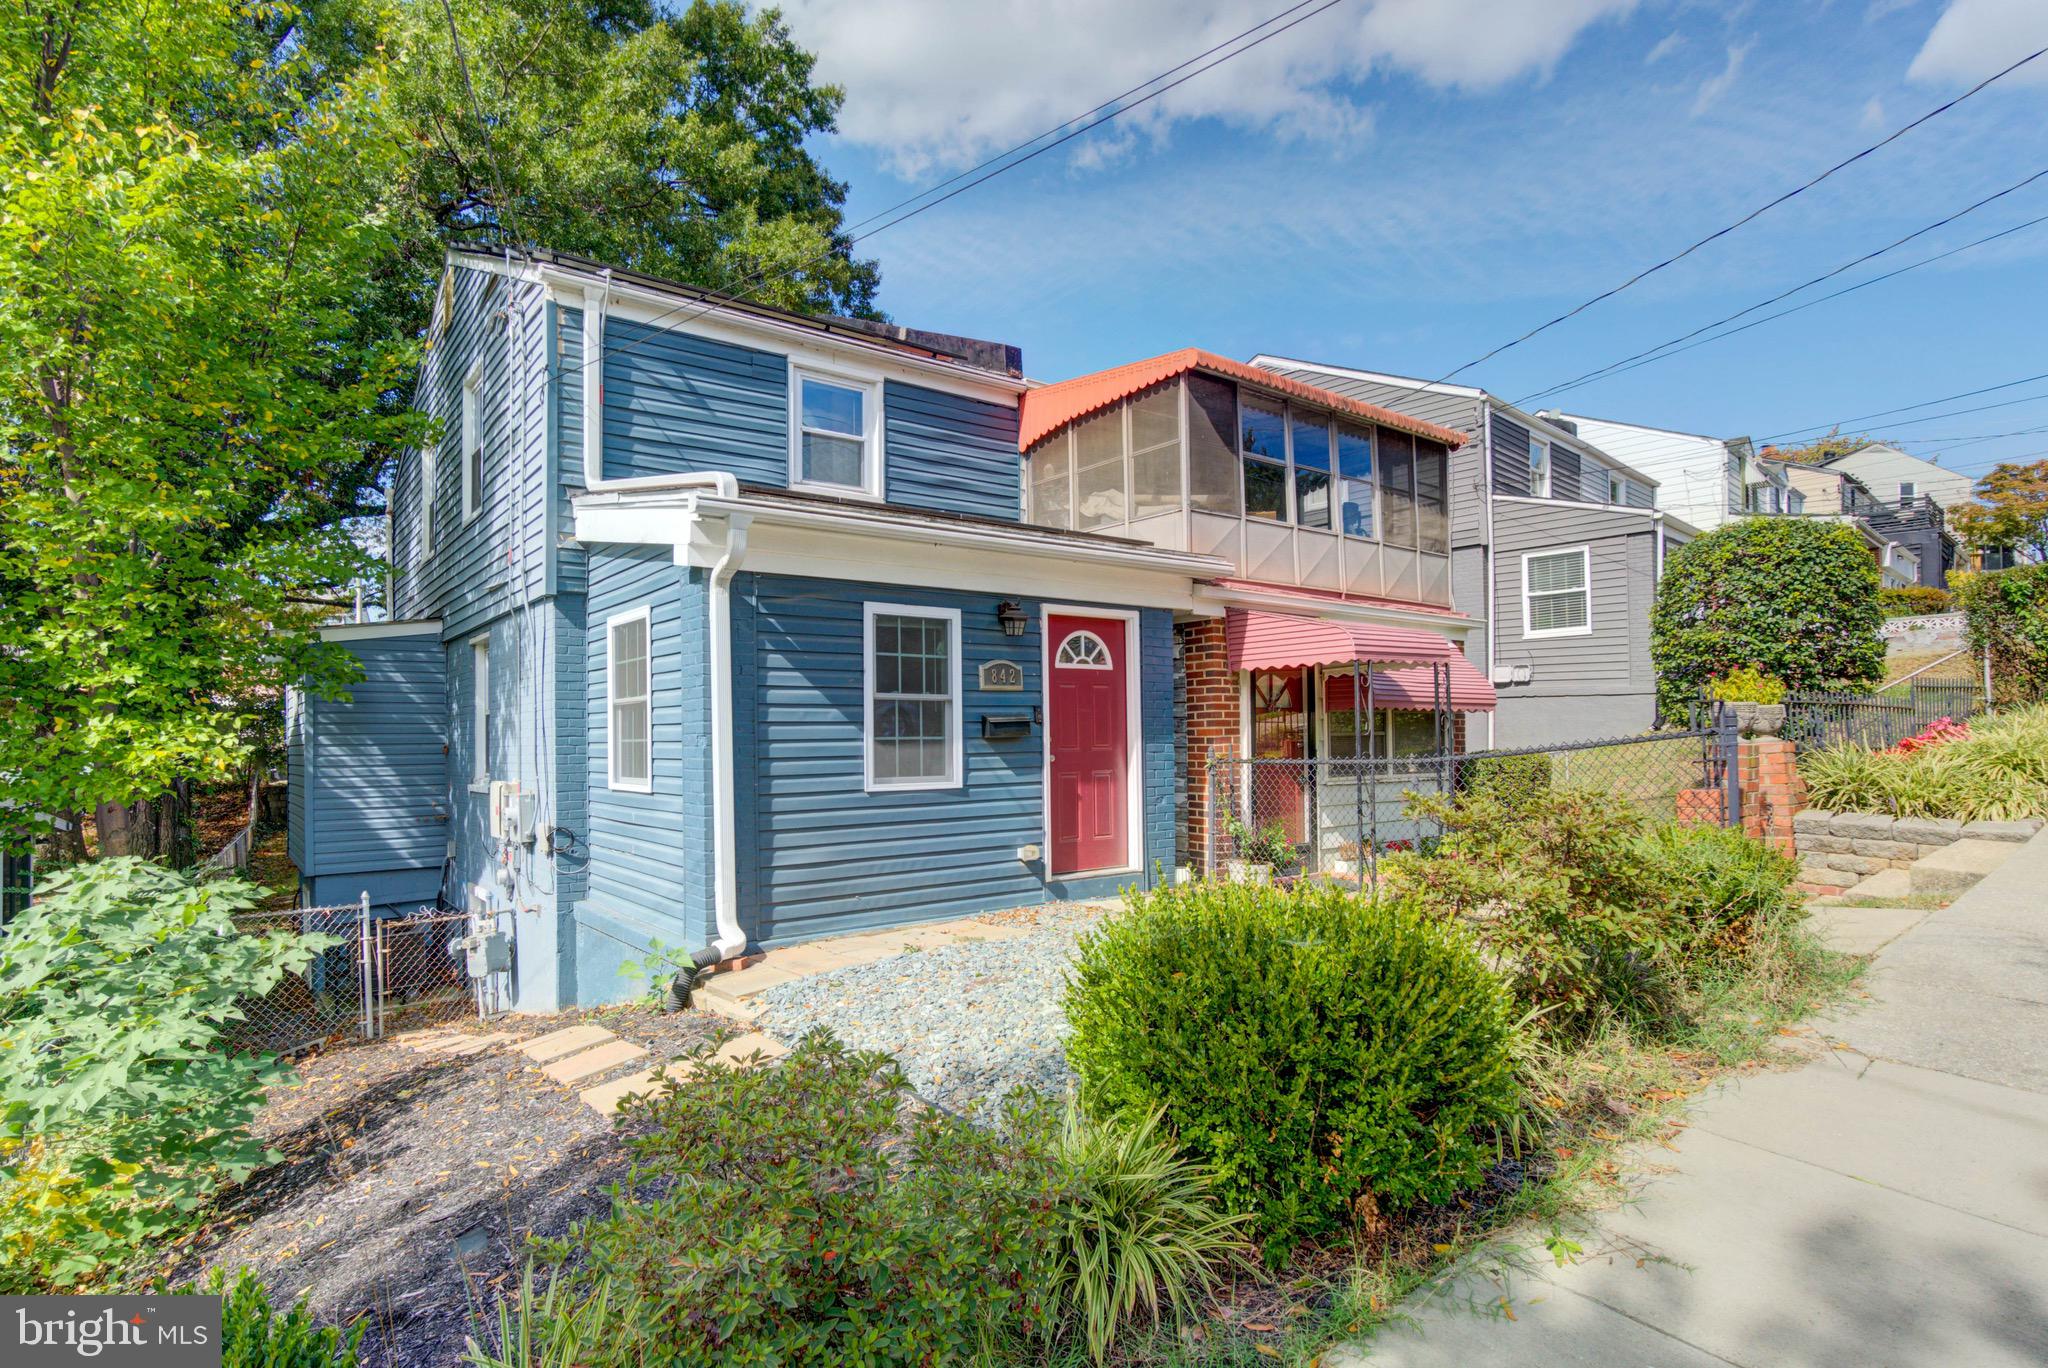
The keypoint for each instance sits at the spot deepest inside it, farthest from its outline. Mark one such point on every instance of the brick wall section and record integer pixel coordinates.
(1772, 791)
(1212, 724)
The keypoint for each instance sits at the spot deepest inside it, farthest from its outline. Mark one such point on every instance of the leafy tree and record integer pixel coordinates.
(2008, 617)
(187, 400)
(2013, 510)
(1795, 598)
(1819, 451)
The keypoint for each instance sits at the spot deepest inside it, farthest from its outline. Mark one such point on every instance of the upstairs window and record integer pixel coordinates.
(1539, 468)
(629, 702)
(1212, 446)
(835, 435)
(1617, 490)
(1355, 484)
(1432, 505)
(1311, 471)
(912, 697)
(1397, 489)
(430, 479)
(1907, 489)
(472, 444)
(1263, 432)
(1557, 597)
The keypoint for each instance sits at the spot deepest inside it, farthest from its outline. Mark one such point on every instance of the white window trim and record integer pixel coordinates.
(479, 713)
(611, 697)
(472, 440)
(1548, 454)
(1617, 488)
(955, 776)
(871, 436)
(1585, 554)
(1134, 735)
(430, 475)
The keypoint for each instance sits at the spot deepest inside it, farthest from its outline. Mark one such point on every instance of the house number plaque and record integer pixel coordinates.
(1002, 676)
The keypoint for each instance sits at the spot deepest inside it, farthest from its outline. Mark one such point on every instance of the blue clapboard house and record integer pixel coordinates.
(720, 627)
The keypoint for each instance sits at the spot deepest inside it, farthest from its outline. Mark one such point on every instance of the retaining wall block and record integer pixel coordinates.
(1825, 844)
(1812, 819)
(1863, 824)
(1885, 850)
(2001, 831)
(1856, 864)
(1928, 831)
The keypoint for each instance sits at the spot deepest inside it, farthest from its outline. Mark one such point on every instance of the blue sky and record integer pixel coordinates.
(1402, 185)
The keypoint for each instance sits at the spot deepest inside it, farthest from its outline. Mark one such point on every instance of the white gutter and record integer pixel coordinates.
(732, 939)
(1349, 610)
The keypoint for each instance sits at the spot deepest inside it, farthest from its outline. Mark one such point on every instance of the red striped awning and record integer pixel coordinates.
(1258, 640)
(1412, 687)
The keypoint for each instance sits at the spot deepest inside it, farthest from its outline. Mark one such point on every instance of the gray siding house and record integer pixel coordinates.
(1556, 545)
(718, 627)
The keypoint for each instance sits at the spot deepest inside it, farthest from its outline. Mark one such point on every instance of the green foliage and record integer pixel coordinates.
(1999, 772)
(1513, 779)
(1747, 685)
(1794, 598)
(1266, 845)
(1820, 450)
(1312, 1049)
(544, 1330)
(1915, 600)
(2011, 510)
(254, 1335)
(2007, 612)
(807, 1213)
(118, 1113)
(186, 412)
(1138, 1226)
(1719, 890)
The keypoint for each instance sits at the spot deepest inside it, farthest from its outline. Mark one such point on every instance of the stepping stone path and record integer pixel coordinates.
(575, 1053)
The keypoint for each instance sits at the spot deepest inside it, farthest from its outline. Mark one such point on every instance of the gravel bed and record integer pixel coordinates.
(969, 1022)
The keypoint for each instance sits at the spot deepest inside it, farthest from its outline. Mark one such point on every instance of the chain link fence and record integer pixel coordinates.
(1333, 817)
(382, 974)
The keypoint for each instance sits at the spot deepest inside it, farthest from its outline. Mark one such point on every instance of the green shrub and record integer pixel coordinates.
(2007, 612)
(1310, 1048)
(808, 1213)
(118, 1113)
(1720, 889)
(1138, 1226)
(1561, 892)
(1998, 772)
(254, 1335)
(1747, 685)
(1915, 601)
(1514, 779)
(1796, 598)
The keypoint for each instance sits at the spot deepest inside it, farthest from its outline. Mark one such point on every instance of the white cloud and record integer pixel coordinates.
(1719, 84)
(1974, 38)
(1673, 41)
(933, 84)
(1873, 113)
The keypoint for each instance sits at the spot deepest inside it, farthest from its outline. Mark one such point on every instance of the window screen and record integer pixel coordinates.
(1099, 471)
(1212, 445)
(1397, 488)
(1355, 479)
(1155, 452)
(1311, 471)
(1052, 482)
(1432, 520)
(1264, 433)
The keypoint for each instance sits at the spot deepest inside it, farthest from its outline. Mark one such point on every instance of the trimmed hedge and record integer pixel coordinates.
(1313, 1049)
(2008, 616)
(1793, 597)
(1915, 601)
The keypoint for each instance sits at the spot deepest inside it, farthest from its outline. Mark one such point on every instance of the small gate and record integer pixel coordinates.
(383, 973)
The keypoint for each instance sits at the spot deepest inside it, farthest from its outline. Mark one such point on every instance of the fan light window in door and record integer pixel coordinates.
(1083, 651)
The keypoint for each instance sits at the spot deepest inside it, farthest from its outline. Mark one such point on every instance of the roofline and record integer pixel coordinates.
(1378, 377)
(1648, 427)
(367, 631)
(1279, 598)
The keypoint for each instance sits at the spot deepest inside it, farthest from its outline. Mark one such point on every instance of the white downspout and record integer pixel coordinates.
(732, 940)
(721, 482)
(1492, 606)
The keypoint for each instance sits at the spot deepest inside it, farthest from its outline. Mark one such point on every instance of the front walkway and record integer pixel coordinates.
(1887, 1204)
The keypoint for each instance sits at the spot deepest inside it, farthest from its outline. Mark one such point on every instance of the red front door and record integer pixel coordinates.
(1087, 730)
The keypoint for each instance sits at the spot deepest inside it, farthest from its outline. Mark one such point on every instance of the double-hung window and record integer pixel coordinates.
(430, 479)
(1557, 596)
(628, 692)
(472, 444)
(1617, 490)
(480, 713)
(912, 705)
(1539, 468)
(835, 434)
(1907, 489)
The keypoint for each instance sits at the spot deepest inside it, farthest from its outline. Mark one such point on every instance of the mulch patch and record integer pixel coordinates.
(410, 1182)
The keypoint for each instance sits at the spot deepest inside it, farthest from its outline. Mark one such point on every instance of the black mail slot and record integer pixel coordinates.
(1005, 726)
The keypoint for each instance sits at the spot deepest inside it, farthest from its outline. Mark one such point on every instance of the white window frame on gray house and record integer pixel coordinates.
(629, 694)
(472, 443)
(430, 475)
(1539, 467)
(951, 777)
(867, 431)
(480, 714)
(1907, 489)
(1617, 488)
(1583, 591)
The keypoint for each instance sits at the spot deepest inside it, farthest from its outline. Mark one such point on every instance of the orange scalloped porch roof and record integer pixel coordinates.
(1047, 409)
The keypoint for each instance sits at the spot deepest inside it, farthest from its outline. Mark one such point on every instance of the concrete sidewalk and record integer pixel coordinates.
(1885, 1205)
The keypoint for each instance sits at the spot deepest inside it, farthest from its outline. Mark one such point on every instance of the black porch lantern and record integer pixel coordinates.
(1011, 615)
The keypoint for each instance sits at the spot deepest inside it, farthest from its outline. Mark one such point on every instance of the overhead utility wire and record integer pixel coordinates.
(1603, 371)
(483, 129)
(1905, 408)
(989, 175)
(1648, 358)
(1746, 218)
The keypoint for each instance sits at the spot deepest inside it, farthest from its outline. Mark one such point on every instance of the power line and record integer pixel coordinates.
(1602, 372)
(1645, 359)
(1746, 218)
(988, 175)
(483, 129)
(1906, 408)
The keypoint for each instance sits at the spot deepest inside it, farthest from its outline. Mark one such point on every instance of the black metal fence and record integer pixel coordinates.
(1823, 721)
(1332, 817)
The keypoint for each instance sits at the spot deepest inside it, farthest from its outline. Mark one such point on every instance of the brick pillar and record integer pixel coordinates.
(1212, 723)
(1772, 792)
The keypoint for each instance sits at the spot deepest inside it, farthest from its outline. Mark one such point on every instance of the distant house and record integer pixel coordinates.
(1910, 542)
(720, 627)
(1556, 546)
(1706, 481)
(1899, 477)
